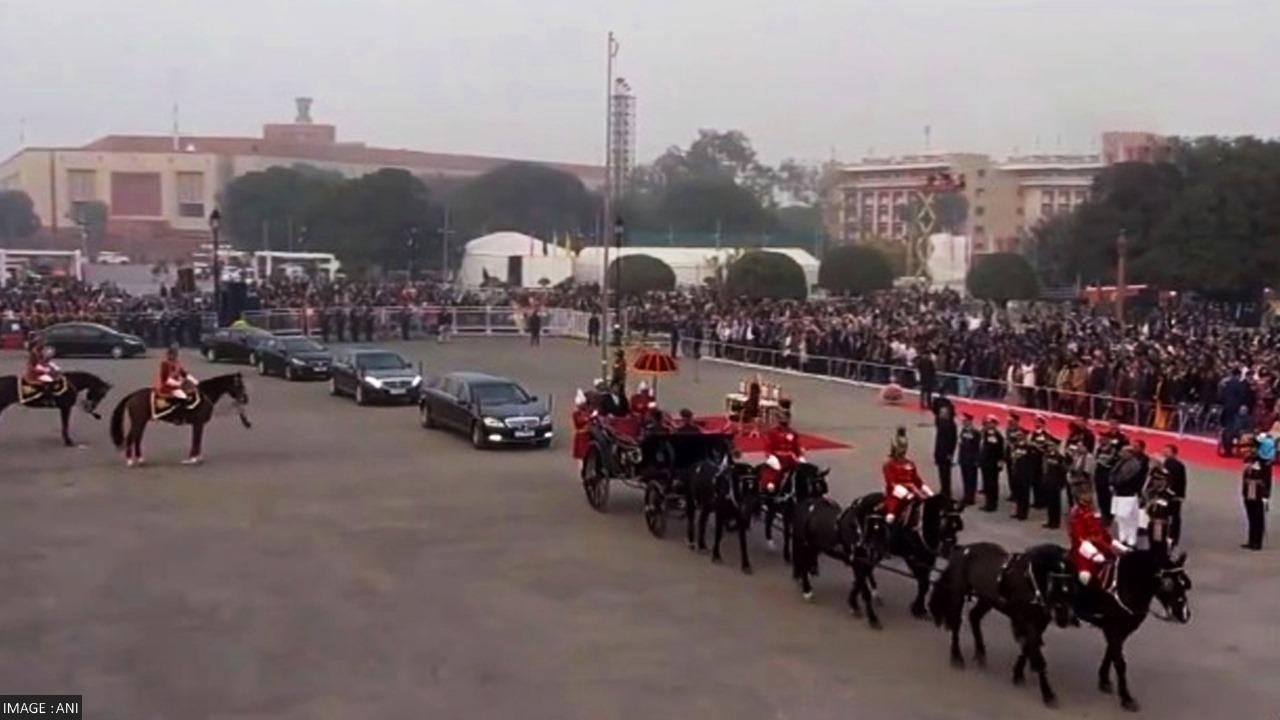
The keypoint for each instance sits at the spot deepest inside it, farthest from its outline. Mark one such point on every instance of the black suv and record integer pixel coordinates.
(491, 410)
(293, 358)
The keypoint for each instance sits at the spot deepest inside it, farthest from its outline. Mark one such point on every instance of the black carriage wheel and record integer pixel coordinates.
(594, 482)
(655, 509)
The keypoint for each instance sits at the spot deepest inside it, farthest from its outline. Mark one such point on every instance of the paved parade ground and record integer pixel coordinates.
(342, 562)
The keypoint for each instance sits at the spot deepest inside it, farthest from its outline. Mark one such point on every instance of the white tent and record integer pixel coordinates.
(691, 265)
(514, 258)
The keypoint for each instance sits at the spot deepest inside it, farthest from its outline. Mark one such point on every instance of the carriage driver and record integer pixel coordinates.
(903, 486)
(41, 370)
(582, 413)
(782, 453)
(1093, 552)
(173, 381)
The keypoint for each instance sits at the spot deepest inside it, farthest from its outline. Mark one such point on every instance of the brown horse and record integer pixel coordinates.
(138, 406)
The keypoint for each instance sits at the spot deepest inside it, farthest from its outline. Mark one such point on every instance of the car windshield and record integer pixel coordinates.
(380, 361)
(500, 394)
(301, 345)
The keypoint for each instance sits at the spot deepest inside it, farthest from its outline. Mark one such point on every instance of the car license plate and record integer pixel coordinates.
(395, 391)
(524, 433)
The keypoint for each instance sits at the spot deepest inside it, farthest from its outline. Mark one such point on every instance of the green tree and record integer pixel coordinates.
(369, 221)
(1002, 277)
(260, 208)
(18, 218)
(525, 197)
(766, 274)
(855, 269)
(641, 274)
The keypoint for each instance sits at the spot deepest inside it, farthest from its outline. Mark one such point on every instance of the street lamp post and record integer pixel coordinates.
(411, 244)
(619, 233)
(215, 224)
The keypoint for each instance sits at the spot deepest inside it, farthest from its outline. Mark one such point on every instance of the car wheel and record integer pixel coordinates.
(360, 398)
(428, 422)
(477, 436)
(288, 373)
(333, 386)
(211, 354)
(262, 368)
(117, 352)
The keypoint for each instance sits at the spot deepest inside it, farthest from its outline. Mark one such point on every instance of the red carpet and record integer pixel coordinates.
(1195, 450)
(755, 443)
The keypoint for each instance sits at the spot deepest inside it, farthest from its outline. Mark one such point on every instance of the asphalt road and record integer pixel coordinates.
(342, 562)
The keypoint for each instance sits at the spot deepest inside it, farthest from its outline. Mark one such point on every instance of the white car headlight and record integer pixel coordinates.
(373, 382)
(493, 422)
(417, 380)
(296, 361)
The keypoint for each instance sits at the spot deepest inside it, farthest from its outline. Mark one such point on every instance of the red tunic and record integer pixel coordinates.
(1085, 525)
(782, 448)
(169, 370)
(35, 366)
(580, 436)
(902, 483)
(640, 403)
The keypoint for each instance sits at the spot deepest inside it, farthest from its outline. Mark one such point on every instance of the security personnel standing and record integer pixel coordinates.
(1158, 502)
(944, 442)
(1040, 442)
(970, 449)
(1177, 472)
(1256, 492)
(1012, 433)
(1022, 463)
(1056, 463)
(1109, 444)
(990, 456)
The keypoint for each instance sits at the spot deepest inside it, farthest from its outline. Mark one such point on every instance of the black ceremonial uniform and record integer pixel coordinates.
(1255, 489)
(990, 456)
(970, 451)
(1040, 442)
(1109, 445)
(1056, 464)
(1022, 462)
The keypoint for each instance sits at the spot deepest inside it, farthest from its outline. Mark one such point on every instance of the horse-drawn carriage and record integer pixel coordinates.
(657, 461)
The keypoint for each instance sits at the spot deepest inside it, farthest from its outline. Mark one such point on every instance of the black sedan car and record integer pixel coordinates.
(233, 344)
(77, 338)
(491, 410)
(370, 375)
(293, 358)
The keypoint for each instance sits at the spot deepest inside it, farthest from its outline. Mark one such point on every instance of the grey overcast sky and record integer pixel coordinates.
(525, 78)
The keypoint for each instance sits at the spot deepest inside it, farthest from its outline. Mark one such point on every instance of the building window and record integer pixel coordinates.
(82, 186)
(135, 194)
(1021, 211)
(1082, 195)
(982, 172)
(1046, 209)
(979, 210)
(190, 194)
(979, 230)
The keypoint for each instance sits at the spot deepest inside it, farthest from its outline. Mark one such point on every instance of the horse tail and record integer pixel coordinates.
(942, 598)
(117, 421)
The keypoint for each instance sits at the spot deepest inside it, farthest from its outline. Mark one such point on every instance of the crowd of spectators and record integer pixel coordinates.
(1173, 367)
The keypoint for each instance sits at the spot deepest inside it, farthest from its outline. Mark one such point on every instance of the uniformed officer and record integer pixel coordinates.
(1013, 432)
(1255, 489)
(1056, 463)
(1109, 444)
(1158, 504)
(1022, 463)
(991, 455)
(970, 451)
(944, 442)
(1041, 439)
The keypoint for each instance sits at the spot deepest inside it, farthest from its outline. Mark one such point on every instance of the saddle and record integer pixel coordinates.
(162, 407)
(29, 393)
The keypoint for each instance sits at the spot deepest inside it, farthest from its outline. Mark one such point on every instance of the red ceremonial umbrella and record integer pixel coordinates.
(656, 364)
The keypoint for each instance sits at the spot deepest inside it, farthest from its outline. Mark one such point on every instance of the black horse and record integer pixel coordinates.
(726, 489)
(138, 406)
(820, 528)
(797, 484)
(1141, 576)
(1032, 588)
(919, 546)
(63, 397)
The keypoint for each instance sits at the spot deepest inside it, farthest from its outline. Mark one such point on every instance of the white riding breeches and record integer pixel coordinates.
(1126, 512)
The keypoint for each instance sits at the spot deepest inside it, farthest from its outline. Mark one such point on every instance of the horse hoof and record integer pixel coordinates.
(130, 462)
(693, 547)
(808, 596)
(717, 559)
(771, 545)
(876, 624)
(746, 570)
(193, 460)
(1104, 686)
(1051, 700)
(980, 659)
(1019, 680)
(919, 613)
(957, 662)
(855, 611)
(1130, 704)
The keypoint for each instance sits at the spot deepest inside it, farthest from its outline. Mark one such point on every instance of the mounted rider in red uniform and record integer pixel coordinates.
(903, 486)
(1093, 552)
(582, 413)
(173, 382)
(782, 453)
(41, 370)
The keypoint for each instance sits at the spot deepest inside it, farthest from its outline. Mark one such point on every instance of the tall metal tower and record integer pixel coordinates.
(623, 140)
